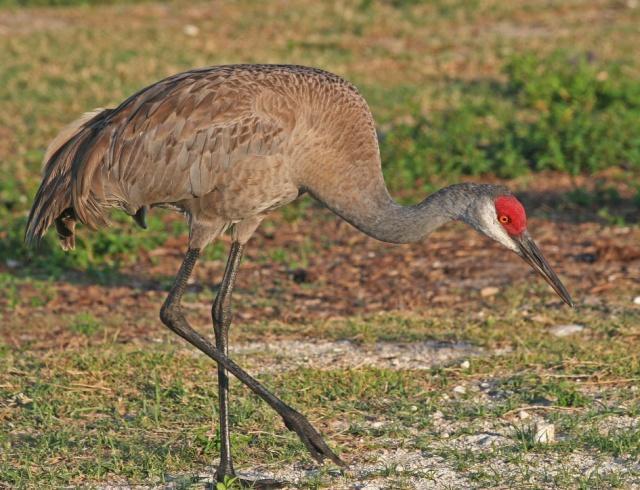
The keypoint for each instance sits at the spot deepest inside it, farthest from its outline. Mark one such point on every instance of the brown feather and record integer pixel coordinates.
(54, 196)
(224, 144)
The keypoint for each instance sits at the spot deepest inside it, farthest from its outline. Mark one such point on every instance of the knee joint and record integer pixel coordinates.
(168, 314)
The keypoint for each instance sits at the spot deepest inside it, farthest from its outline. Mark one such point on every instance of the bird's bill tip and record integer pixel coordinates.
(530, 252)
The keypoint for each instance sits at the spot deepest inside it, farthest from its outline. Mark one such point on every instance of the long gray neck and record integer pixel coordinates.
(386, 220)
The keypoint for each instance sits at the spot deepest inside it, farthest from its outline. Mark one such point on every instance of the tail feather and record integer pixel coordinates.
(68, 132)
(56, 196)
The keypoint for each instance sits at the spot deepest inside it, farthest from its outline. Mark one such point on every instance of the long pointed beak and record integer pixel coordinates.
(530, 252)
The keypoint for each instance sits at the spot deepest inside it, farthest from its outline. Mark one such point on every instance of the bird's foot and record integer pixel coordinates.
(313, 441)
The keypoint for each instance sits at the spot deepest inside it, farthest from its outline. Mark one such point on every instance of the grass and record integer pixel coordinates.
(484, 89)
(562, 112)
(85, 324)
(110, 410)
(61, 3)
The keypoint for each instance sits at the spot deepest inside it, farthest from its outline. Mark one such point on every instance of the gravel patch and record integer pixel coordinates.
(285, 355)
(400, 468)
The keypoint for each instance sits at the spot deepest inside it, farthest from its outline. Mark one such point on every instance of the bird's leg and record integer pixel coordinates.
(221, 313)
(173, 317)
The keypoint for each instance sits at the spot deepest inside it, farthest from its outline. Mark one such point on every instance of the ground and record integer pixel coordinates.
(426, 365)
(442, 364)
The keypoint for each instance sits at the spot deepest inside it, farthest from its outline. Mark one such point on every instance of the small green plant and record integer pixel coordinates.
(216, 251)
(616, 442)
(8, 284)
(229, 483)
(525, 435)
(85, 324)
(61, 3)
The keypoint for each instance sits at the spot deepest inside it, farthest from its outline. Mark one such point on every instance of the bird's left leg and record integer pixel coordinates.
(221, 314)
(173, 317)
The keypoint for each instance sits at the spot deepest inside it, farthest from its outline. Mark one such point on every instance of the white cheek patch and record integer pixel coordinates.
(491, 227)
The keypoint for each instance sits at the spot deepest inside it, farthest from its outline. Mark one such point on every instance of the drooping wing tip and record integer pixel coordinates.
(32, 237)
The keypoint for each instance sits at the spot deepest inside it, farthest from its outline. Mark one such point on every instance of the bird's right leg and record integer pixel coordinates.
(221, 313)
(173, 317)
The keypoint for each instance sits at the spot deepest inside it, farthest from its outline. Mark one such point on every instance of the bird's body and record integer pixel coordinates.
(226, 145)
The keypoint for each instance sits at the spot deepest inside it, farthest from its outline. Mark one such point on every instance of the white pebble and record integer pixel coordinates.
(489, 291)
(460, 390)
(22, 399)
(191, 30)
(545, 433)
(566, 330)
(636, 300)
(465, 365)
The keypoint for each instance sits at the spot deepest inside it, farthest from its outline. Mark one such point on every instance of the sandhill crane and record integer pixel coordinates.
(225, 145)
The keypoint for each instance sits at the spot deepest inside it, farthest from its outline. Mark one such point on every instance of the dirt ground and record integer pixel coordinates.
(333, 271)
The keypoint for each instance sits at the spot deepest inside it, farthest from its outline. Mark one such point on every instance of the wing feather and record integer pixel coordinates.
(177, 138)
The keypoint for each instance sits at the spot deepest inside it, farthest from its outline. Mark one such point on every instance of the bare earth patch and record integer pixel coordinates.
(284, 355)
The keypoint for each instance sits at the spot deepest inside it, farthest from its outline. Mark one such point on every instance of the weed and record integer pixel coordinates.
(8, 283)
(61, 3)
(525, 435)
(85, 324)
(616, 442)
(228, 484)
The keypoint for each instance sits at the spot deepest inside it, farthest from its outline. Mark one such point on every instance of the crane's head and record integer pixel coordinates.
(500, 216)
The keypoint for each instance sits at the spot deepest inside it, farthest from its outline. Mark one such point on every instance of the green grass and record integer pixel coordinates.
(112, 410)
(561, 112)
(85, 324)
(62, 3)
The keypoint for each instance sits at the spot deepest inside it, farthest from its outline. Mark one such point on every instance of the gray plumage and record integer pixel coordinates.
(227, 145)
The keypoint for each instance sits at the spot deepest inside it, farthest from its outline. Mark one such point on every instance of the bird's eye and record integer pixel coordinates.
(504, 219)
